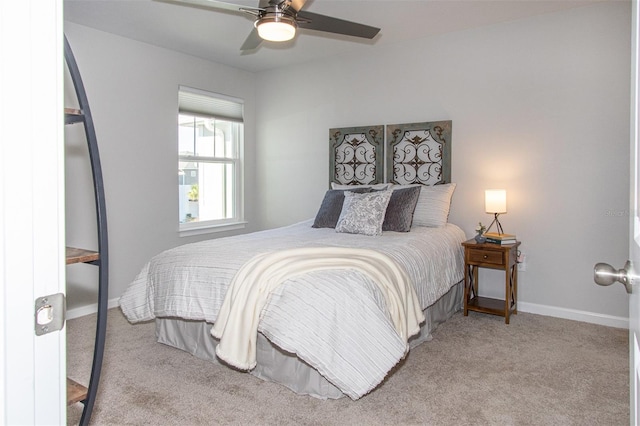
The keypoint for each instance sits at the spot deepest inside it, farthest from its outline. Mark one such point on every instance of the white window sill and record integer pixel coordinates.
(210, 229)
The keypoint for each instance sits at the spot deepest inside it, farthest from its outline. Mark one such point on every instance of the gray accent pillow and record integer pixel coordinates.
(331, 206)
(363, 213)
(402, 204)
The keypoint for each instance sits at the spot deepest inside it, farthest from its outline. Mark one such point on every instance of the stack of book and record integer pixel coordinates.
(495, 238)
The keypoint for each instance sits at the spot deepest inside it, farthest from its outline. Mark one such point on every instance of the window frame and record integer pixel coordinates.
(237, 221)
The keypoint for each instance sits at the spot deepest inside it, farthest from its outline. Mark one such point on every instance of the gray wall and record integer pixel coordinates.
(133, 94)
(539, 106)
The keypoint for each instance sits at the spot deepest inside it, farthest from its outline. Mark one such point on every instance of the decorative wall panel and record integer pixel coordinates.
(357, 155)
(419, 153)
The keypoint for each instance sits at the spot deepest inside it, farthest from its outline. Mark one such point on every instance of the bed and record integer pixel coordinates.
(326, 326)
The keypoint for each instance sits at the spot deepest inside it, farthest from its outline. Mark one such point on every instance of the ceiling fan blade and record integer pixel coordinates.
(315, 21)
(214, 4)
(252, 42)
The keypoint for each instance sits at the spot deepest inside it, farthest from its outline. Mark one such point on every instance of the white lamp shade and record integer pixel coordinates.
(276, 30)
(495, 201)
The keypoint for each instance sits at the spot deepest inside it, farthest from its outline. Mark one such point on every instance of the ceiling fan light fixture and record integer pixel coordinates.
(278, 27)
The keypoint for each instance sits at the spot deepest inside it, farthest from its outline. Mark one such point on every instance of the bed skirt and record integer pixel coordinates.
(283, 367)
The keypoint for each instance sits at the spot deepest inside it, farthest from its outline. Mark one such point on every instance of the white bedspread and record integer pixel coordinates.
(237, 323)
(302, 317)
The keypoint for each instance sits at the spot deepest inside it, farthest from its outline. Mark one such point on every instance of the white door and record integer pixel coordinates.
(606, 274)
(33, 368)
(634, 226)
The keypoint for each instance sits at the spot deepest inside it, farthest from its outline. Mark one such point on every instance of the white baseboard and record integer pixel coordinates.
(532, 308)
(573, 314)
(89, 309)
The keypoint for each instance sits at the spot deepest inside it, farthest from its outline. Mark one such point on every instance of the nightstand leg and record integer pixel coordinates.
(467, 283)
(514, 293)
(507, 298)
(475, 281)
(470, 286)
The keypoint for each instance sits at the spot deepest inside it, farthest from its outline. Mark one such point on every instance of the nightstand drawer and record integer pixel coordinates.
(486, 256)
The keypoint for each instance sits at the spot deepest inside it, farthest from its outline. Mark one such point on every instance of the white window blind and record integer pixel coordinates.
(198, 102)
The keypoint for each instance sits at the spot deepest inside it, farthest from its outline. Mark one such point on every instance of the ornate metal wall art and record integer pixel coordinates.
(419, 153)
(357, 155)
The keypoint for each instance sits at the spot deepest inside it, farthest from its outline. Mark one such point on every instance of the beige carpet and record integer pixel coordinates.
(477, 371)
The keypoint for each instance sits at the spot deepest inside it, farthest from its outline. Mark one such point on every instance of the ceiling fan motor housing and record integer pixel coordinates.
(275, 24)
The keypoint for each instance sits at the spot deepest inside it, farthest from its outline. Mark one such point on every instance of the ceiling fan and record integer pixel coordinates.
(277, 20)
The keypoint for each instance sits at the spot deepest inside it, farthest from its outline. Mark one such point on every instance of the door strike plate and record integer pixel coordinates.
(49, 313)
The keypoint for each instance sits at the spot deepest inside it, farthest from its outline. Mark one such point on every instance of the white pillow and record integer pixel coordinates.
(363, 213)
(376, 187)
(433, 205)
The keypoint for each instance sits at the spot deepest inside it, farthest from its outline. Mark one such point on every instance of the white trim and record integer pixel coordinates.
(237, 161)
(531, 308)
(33, 380)
(573, 314)
(211, 228)
(90, 309)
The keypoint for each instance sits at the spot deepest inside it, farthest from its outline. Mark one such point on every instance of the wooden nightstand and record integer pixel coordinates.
(493, 256)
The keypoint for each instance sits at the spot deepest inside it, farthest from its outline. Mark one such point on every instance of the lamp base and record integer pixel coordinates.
(497, 222)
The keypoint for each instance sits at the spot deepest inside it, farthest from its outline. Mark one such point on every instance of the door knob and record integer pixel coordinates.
(605, 274)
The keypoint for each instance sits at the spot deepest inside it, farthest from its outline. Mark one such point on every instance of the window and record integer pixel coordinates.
(210, 144)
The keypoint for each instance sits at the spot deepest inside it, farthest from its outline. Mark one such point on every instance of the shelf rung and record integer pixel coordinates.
(75, 392)
(72, 116)
(72, 111)
(76, 255)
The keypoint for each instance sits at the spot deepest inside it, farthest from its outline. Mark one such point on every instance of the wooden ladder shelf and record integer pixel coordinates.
(75, 391)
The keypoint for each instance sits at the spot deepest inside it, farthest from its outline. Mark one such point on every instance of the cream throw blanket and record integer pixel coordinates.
(237, 323)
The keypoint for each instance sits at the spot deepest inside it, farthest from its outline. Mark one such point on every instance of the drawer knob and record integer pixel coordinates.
(485, 256)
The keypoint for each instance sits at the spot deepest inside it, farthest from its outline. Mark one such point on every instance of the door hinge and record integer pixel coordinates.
(50, 313)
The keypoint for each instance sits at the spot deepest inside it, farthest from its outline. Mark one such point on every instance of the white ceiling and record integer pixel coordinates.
(218, 35)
